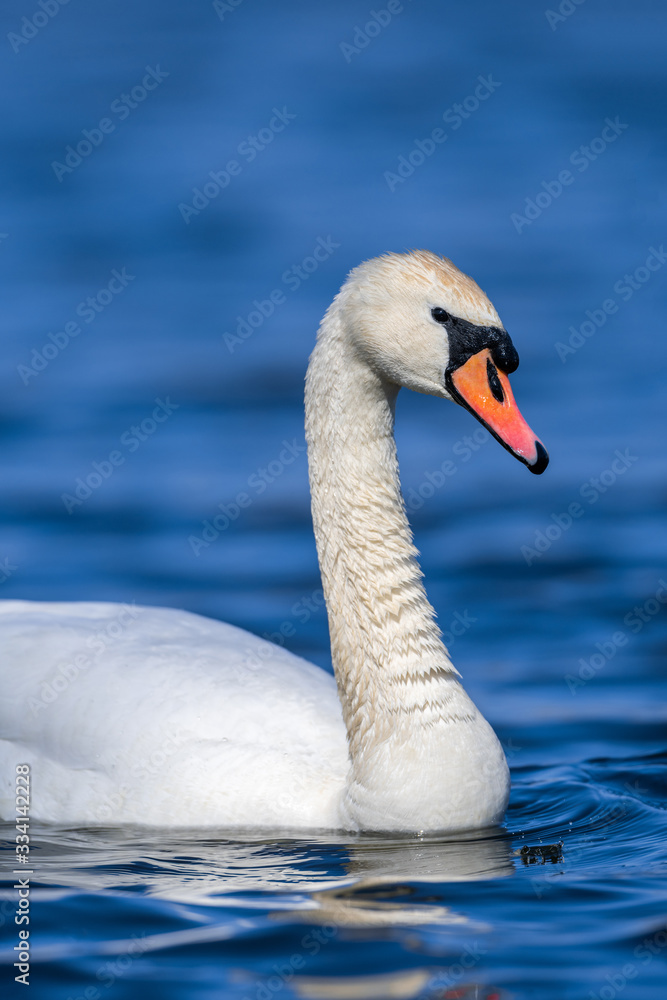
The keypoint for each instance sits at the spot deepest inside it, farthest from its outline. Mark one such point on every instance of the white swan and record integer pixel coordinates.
(157, 716)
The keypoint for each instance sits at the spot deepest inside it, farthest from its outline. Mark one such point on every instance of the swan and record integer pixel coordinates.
(155, 716)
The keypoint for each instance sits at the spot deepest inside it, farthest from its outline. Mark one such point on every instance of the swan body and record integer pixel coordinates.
(129, 714)
(148, 715)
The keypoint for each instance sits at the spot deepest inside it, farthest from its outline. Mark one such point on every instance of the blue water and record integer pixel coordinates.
(564, 644)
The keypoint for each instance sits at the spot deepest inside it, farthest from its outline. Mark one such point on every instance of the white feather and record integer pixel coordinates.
(156, 716)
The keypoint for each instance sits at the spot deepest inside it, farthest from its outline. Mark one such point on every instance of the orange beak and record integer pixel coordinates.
(485, 391)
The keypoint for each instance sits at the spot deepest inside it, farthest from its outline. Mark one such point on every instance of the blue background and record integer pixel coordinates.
(585, 757)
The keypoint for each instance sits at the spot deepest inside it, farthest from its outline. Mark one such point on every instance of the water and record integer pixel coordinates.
(567, 900)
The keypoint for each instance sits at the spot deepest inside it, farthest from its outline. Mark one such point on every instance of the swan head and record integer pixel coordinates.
(421, 323)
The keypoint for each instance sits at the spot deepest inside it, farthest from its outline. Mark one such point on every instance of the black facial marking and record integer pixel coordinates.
(494, 382)
(466, 339)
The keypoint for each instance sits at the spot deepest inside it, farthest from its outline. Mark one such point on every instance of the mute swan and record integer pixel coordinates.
(158, 716)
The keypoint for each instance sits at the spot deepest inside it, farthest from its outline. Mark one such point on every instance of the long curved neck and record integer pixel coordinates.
(391, 666)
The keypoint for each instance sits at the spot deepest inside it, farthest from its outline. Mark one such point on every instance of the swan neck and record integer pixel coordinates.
(390, 662)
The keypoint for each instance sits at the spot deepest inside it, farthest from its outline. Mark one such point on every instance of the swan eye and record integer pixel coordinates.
(440, 316)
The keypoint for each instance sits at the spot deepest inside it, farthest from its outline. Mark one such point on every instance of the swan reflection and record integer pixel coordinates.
(363, 881)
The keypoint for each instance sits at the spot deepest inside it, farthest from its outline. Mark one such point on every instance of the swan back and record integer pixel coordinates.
(154, 715)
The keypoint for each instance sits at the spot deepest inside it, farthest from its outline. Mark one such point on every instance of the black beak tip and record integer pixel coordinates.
(542, 460)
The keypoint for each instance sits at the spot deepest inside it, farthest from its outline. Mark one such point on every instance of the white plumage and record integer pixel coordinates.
(151, 715)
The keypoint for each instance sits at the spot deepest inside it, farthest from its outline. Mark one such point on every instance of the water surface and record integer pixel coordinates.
(564, 646)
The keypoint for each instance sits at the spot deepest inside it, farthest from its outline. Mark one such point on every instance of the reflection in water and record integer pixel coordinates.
(415, 983)
(379, 866)
(323, 880)
(402, 985)
(334, 887)
(477, 855)
(365, 904)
